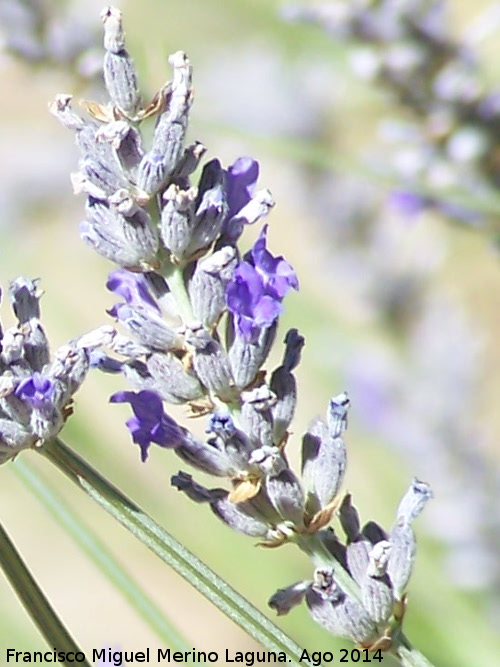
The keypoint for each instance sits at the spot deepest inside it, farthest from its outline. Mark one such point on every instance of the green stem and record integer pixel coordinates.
(175, 279)
(101, 556)
(215, 589)
(408, 656)
(34, 600)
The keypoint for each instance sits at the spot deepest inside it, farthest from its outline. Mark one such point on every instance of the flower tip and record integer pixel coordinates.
(123, 397)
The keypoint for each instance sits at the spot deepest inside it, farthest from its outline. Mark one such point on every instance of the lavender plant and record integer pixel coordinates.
(201, 319)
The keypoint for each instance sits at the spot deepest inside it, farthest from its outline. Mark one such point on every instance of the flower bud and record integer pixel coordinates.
(282, 487)
(152, 173)
(284, 386)
(286, 599)
(150, 330)
(349, 519)
(324, 457)
(25, 299)
(414, 501)
(256, 415)
(207, 287)
(189, 161)
(171, 379)
(337, 612)
(402, 538)
(120, 76)
(247, 357)
(177, 219)
(125, 140)
(211, 364)
(210, 208)
(376, 587)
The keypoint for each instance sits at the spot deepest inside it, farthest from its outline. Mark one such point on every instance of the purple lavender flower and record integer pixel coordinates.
(241, 179)
(259, 284)
(277, 274)
(149, 423)
(133, 287)
(245, 206)
(37, 391)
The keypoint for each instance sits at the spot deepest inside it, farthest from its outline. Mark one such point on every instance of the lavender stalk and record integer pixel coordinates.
(35, 602)
(100, 554)
(169, 550)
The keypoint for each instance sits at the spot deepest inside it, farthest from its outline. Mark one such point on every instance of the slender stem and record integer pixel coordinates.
(172, 552)
(175, 278)
(102, 557)
(408, 656)
(34, 600)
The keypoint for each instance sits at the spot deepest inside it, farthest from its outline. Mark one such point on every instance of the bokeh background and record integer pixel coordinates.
(400, 310)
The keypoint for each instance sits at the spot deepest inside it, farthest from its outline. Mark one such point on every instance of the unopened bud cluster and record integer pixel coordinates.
(200, 320)
(379, 563)
(36, 391)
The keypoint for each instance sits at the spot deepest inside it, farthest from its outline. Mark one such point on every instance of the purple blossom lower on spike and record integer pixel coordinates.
(150, 423)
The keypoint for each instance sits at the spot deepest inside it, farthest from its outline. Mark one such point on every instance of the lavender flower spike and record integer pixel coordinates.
(149, 423)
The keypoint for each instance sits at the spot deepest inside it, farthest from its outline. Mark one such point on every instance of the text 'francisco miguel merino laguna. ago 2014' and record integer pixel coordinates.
(146, 656)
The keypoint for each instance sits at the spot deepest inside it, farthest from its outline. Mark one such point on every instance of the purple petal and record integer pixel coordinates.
(241, 178)
(244, 290)
(36, 390)
(277, 273)
(149, 423)
(133, 287)
(266, 311)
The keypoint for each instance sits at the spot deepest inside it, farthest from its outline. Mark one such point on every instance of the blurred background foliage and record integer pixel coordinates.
(399, 309)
